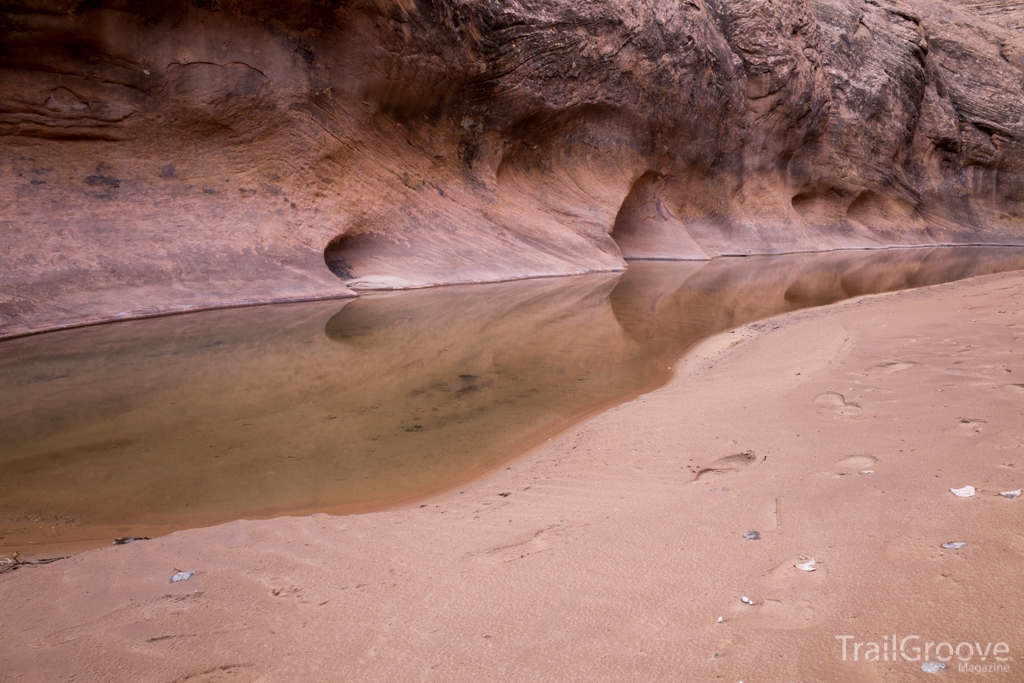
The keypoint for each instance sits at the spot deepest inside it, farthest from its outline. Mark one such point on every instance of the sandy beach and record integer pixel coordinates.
(616, 551)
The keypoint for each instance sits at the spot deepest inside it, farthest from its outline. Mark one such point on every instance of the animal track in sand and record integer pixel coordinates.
(225, 672)
(967, 426)
(915, 546)
(786, 575)
(292, 593)
(536, 543)
(838, 403)
(728, 464)
(789, 615)
(888, 368)
(856, 463)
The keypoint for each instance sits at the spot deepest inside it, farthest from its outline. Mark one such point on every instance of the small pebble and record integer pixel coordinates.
(752, 535)
(867, 471)
(720, 620)
(1011, 494)
(954, 545)
(932, 667)
(182, 576)
(746, 600)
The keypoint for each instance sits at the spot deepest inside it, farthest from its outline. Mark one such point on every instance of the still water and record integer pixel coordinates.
(141, 428)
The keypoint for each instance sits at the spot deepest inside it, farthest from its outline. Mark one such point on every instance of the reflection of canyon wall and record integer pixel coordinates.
(133, 429)
(171, 154)
(665, 306)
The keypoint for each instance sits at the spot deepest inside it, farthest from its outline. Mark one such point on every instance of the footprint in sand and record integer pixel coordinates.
(967, 426)
(293, 593)
(914, 548)
(888, 368)
(728, 464)
(225, 672)
(838, 403)
(786, 575)
(855, 463)
(788, 615)
(537, 542)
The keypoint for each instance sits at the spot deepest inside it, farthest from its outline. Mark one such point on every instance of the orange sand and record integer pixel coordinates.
(611, 552)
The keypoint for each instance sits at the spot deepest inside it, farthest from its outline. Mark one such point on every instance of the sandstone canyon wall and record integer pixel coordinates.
(161, 156)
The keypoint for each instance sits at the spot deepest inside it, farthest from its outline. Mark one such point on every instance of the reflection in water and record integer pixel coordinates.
(143, 427)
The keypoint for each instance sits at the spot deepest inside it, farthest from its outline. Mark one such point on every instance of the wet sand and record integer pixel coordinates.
(612, 551)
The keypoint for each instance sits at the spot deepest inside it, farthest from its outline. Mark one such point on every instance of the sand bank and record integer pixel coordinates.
(616, 551)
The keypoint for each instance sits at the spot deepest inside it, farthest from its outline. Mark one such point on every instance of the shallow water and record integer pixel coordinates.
(141, 428)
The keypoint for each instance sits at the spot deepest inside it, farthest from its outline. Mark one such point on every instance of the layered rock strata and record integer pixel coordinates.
(164, 156)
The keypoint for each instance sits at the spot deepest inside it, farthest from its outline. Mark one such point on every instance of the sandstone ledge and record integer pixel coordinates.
(163, 155)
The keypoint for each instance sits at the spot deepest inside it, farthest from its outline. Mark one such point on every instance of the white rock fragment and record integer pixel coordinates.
(965, 492)
(182, 576)
(867, 471)
(932, 667)
(954, 545)
(807, 566)
(1011, 494)
(746, 600)
(720, 620)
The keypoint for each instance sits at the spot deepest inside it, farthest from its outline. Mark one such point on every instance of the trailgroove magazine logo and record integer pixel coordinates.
(967, 657)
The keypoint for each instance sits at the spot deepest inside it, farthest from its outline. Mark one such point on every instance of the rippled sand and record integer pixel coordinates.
(616, 551)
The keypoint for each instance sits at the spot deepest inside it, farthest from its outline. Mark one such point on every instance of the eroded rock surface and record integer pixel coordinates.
(161, 156)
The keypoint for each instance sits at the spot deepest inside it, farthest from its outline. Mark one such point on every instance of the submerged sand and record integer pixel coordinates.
(616, 551)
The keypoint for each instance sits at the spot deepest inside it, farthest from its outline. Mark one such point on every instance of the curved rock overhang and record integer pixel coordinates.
(160, 156)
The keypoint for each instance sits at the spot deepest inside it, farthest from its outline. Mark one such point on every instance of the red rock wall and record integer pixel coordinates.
(165, 156)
